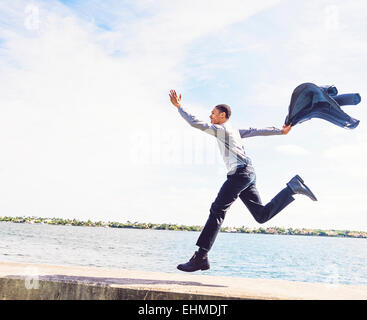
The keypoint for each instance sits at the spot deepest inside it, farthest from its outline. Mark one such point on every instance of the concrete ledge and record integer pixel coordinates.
(24, 281)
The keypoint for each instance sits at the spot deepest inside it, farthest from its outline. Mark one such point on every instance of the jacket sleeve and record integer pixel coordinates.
(211, 129)
(253, 132)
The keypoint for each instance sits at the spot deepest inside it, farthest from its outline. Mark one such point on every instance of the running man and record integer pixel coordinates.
(241, 178)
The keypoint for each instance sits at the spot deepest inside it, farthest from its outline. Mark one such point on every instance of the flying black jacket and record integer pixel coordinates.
(311, 101)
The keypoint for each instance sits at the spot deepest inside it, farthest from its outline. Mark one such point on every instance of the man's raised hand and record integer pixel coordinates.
(176, 100)
(286, 129)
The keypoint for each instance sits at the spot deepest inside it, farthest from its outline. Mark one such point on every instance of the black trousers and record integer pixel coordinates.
(242, 184)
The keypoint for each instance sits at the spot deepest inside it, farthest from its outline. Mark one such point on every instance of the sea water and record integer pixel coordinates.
(286, 257)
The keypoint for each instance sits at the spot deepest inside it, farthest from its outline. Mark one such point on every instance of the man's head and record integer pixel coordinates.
(220, 114)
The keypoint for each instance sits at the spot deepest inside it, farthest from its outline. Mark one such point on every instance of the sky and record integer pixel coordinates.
(87, 130)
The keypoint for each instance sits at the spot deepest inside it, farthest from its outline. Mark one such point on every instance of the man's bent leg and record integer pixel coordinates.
(251, 198)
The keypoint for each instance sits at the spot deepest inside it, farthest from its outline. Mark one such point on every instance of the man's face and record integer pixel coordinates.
(217, 117)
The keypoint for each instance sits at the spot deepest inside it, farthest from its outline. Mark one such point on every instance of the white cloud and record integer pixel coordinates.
(293, 150)
(75, 97)
(349, 158)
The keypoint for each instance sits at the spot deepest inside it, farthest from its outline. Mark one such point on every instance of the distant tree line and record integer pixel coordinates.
(175, 227)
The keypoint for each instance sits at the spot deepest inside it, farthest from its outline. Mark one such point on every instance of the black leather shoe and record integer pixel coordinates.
(197, 262)
(297, 185)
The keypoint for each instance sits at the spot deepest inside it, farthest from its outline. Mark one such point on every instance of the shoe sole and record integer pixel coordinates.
(202, 269)
(307, 188)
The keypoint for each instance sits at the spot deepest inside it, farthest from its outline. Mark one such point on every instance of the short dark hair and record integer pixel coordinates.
(224, 108)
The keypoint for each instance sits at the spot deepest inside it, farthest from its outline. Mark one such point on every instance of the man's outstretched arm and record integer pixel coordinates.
(253, 132)
(191, 119)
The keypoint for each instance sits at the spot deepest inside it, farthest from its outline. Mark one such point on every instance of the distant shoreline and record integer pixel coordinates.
(175, 227)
